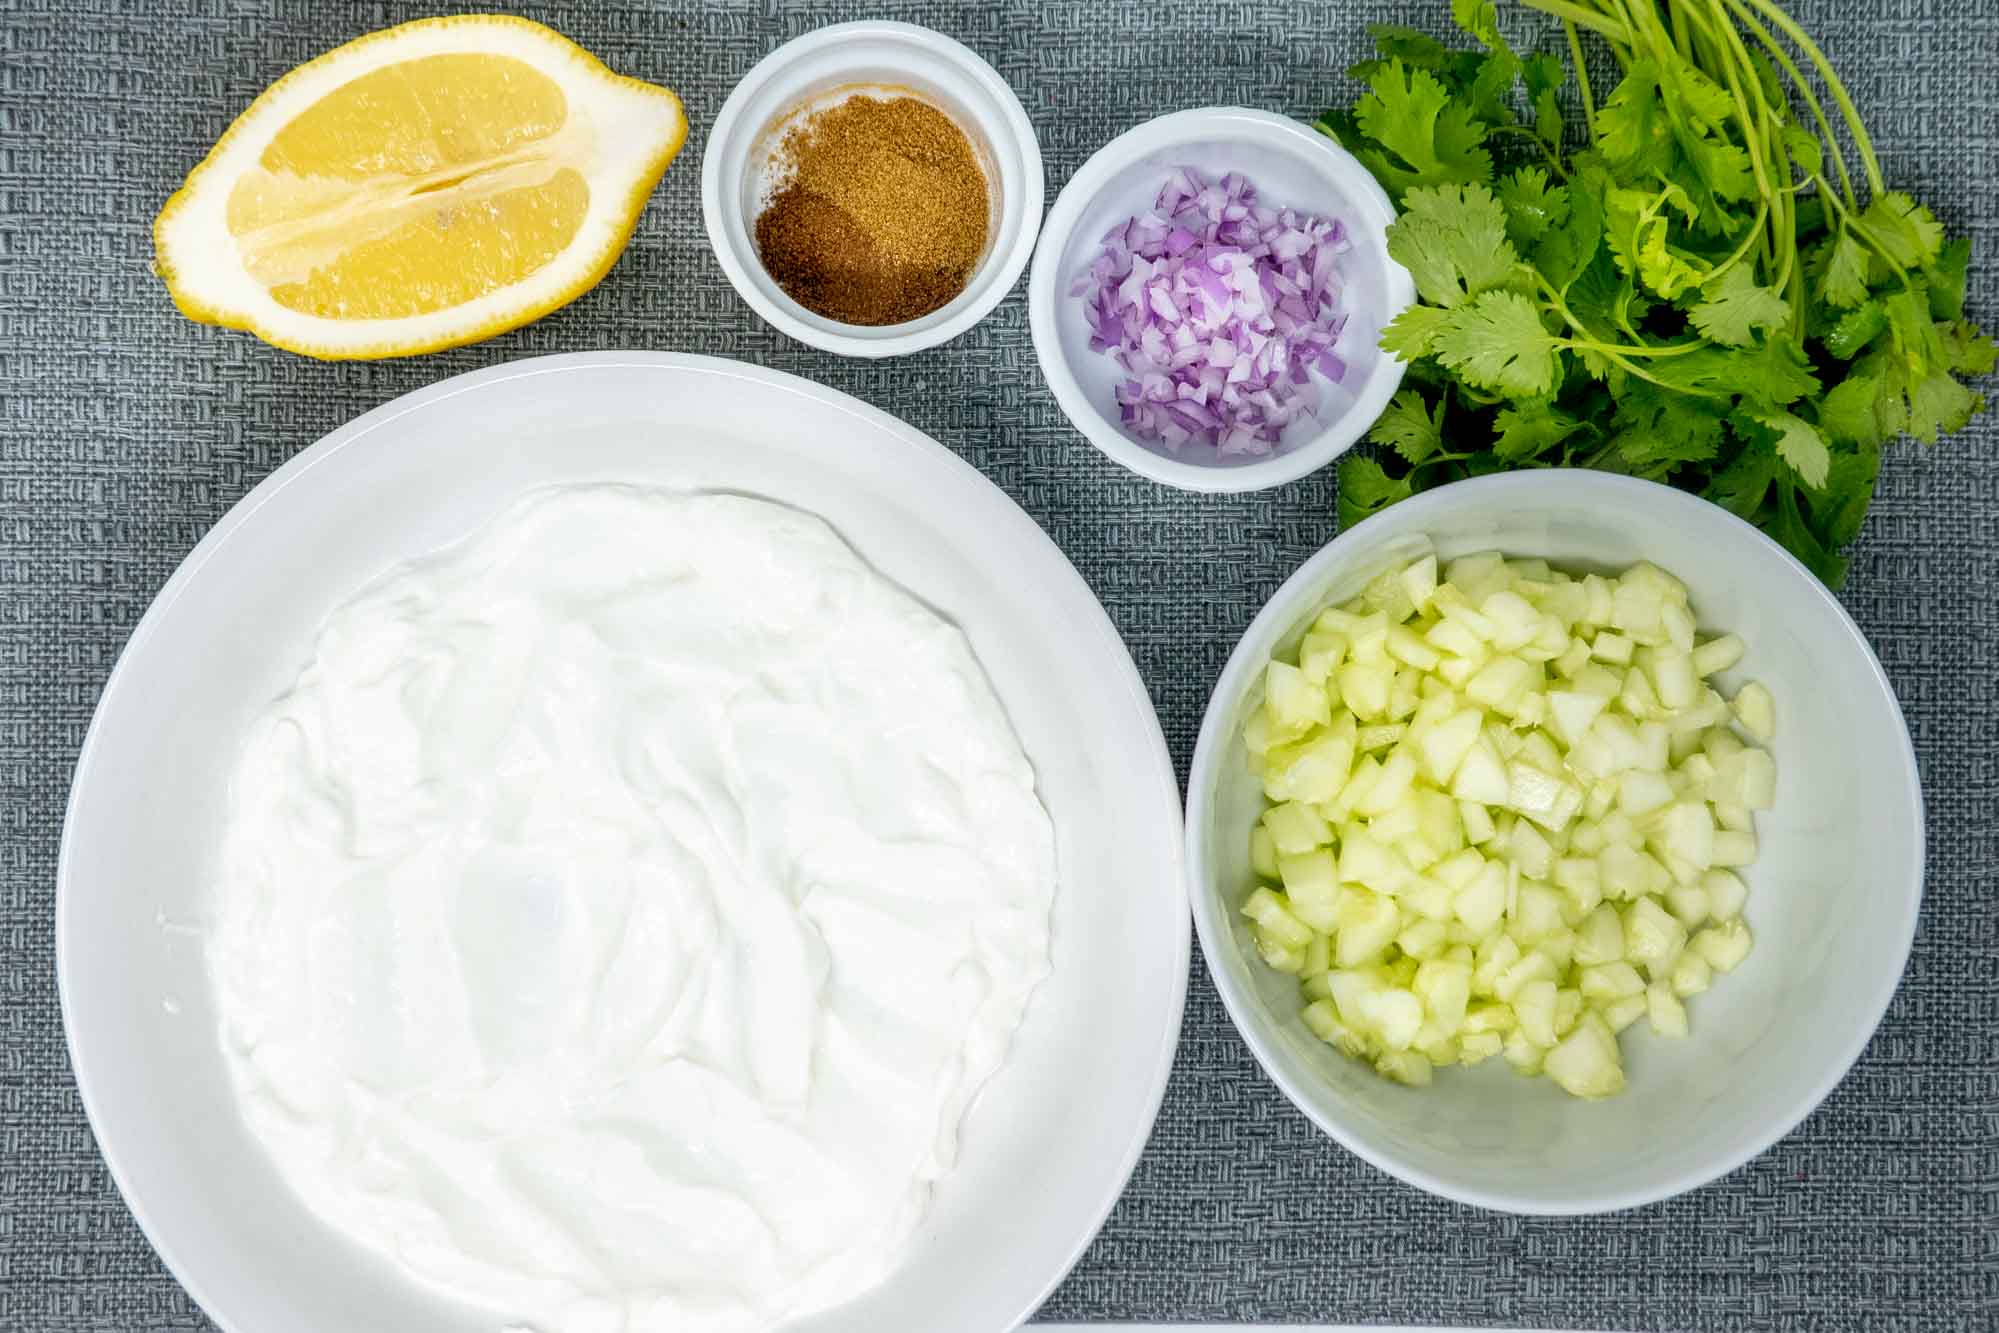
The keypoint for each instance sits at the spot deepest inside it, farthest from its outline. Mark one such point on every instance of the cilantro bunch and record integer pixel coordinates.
(1699, 296)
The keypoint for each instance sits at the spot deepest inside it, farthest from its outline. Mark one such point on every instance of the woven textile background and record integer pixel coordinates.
(125, 431)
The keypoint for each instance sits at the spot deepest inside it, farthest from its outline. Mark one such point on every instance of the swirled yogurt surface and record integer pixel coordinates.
(619, 913)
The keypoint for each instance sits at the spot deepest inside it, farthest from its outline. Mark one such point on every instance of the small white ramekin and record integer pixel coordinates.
(1292, 166)
(896, 57)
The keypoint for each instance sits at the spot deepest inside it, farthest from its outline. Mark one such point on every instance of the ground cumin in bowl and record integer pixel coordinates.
(879, 210)
(872, 189)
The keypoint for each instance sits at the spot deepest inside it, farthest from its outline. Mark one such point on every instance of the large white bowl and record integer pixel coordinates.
(1049, 1145)
(1833, 894)
(1292, 166)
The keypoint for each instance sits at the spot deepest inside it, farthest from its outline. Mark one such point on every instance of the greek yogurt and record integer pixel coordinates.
(621, 910)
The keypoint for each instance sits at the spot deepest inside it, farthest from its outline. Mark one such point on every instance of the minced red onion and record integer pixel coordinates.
(1218, 309)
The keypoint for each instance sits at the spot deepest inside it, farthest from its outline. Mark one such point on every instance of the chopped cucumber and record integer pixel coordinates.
(1508, 807)
(1756, 711)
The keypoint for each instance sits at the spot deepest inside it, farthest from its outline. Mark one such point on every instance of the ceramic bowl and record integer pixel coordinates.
(870, 58)
(1291, 165)
(1833, 893)
(1049, 1143)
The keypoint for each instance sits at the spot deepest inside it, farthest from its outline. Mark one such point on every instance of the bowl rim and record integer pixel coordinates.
(1179, 127)
(1518, 489)
(296, 470)
(995, 278)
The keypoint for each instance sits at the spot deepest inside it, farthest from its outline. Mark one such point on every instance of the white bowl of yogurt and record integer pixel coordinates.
(387, 1026)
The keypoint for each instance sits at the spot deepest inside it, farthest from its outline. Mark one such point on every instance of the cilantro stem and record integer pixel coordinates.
(1556, 302)
(1582, 75)
(1791, 70)
(1435, 459)
(1636, 349)
(1764, 136)
(1577, 15)
(1680, 37)
(1753, 121)
(1554, 162)
(1749, 238)
(1799, 37)
(1643, 23)
(1617, 353)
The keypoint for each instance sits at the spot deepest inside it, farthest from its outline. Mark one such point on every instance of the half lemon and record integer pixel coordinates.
(422, 187)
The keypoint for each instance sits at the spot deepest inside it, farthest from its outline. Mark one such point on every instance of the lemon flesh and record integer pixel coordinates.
(426, 186)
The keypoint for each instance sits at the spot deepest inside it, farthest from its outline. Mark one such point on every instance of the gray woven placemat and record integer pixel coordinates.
(126, 431)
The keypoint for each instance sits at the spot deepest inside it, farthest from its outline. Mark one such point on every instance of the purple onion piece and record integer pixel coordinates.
(1219, 309)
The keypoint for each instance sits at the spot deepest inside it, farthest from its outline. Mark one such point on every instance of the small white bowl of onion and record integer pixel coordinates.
(1208, 295)
(1626, 806)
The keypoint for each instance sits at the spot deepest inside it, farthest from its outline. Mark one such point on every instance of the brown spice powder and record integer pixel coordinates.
(882, 215)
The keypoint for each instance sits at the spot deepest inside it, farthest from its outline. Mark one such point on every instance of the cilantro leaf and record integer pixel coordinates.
(1543, 74)
(1655, 456)
(1530, 430)
(1698, 104)
(1481, 19)
(1407, 427)
(1907, 231)
(1918, 394)
(1788, 526)
(1969, 351)
(1366, 488)
(1492, 85)
(1339, 126)
(1744, 484)
(1839, 271)
(1805, 150)
(1798, 443)
(1658, 430)
(1720, 172)
(1414, 48)
(1945, 277)
(1452, 239)
(1429, 137)
(1662, 269)
(1661, 127)
(1496, 341)
(1606, 299)
(1939, 405)
(1855, 329)
(1851, 413)
(1849, 486)
(1566, 251)
(1915, 333)
(1812, 220)
(1412, 333)
(1548, 117)
(1774, 92)
(1609, 305)
(1631, 126)
(1532, 205)
(1772, 371)
(1736, 307)
(1775, 370)
(1455, 69)
(1636, 231)
(1459, 136)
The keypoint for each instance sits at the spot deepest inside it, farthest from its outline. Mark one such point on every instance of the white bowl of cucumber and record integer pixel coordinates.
(1633, 808)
